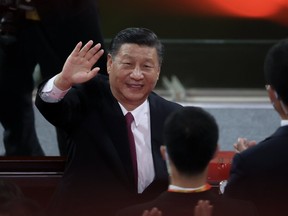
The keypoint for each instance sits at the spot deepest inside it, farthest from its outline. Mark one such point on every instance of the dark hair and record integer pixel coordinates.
(191, 136)
(276, 69)
(140, 36)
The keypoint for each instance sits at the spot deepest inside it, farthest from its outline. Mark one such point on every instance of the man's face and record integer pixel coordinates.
(133, 74)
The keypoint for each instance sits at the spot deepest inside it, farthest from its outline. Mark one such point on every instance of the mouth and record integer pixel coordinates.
(135, 86)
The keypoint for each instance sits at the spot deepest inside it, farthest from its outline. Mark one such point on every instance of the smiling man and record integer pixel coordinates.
(106, 168)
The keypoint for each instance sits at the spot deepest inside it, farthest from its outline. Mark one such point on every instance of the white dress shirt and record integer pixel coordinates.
(50, 93)
(142, 134)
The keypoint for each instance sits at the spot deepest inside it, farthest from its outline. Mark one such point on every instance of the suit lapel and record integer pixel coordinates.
(156, 138)
(114, 121)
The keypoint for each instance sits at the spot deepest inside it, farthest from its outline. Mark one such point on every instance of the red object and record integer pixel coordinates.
(275, 10)
(219, 167)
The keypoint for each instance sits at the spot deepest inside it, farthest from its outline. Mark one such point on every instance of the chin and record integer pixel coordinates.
(133, 97)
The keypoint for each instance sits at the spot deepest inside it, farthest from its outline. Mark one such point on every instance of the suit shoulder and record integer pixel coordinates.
(159, 101)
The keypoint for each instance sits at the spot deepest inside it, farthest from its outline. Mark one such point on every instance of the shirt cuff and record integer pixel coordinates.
(50, 93)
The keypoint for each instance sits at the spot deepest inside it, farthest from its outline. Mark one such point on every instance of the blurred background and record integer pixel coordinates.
(209, 43)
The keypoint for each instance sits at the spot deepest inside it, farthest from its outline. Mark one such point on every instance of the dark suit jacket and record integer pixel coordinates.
(260, 174)
(182, 204)
(99, 168)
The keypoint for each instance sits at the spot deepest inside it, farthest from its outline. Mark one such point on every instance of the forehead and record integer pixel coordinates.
(137, 51)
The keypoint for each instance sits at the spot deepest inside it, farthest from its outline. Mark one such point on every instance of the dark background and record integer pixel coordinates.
(202, 50)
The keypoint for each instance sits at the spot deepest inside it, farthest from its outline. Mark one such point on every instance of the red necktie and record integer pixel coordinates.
(129, 119)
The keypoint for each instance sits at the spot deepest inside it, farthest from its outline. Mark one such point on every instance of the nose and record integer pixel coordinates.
(136, 73)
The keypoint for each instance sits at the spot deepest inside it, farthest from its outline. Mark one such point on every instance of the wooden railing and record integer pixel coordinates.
(38, 176)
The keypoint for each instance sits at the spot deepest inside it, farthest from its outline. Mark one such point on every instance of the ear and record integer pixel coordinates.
(163, 152)
(109, 63)
(277, 103)
(272, 94)
(158, 72)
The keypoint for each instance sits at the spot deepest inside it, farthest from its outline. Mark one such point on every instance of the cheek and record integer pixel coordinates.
(153, 79)
(118, 80)
(151, 83)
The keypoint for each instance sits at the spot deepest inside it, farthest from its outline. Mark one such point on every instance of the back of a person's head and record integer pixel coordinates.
(276, 69)
(191, 137)
(139, 36)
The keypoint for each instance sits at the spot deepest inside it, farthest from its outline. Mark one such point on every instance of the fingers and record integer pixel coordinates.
(236, 148)
(87, 52)
(203, 208)
(76, 49)
(85, 49)
(95, 54)
(94, 50)
(242, 144)
(251, 143)
(92, 73)
(153, 212)
(80, 52)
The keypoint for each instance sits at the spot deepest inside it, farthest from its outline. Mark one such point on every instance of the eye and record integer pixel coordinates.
(126, 64)
(148, 66)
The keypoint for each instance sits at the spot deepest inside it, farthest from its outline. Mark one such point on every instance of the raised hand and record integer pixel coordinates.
(78, 65)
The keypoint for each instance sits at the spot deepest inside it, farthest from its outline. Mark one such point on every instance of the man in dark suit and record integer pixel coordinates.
(37, 32)
(260, 172)
(190, 138)
(101, 175)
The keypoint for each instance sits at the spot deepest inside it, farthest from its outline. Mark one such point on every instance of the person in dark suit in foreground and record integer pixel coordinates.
(190, 138)
(102, 174)
(260, 172)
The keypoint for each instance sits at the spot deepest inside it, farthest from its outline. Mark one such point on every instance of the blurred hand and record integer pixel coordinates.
(242, 144)
(153, 212)
(203, 208)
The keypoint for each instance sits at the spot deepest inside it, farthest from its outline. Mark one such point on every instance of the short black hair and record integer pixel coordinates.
(276, 69)
(191, 137)
(140, 36)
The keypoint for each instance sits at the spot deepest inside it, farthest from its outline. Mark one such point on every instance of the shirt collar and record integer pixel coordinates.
(202, 188)
(137, 112)
(284, 122)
